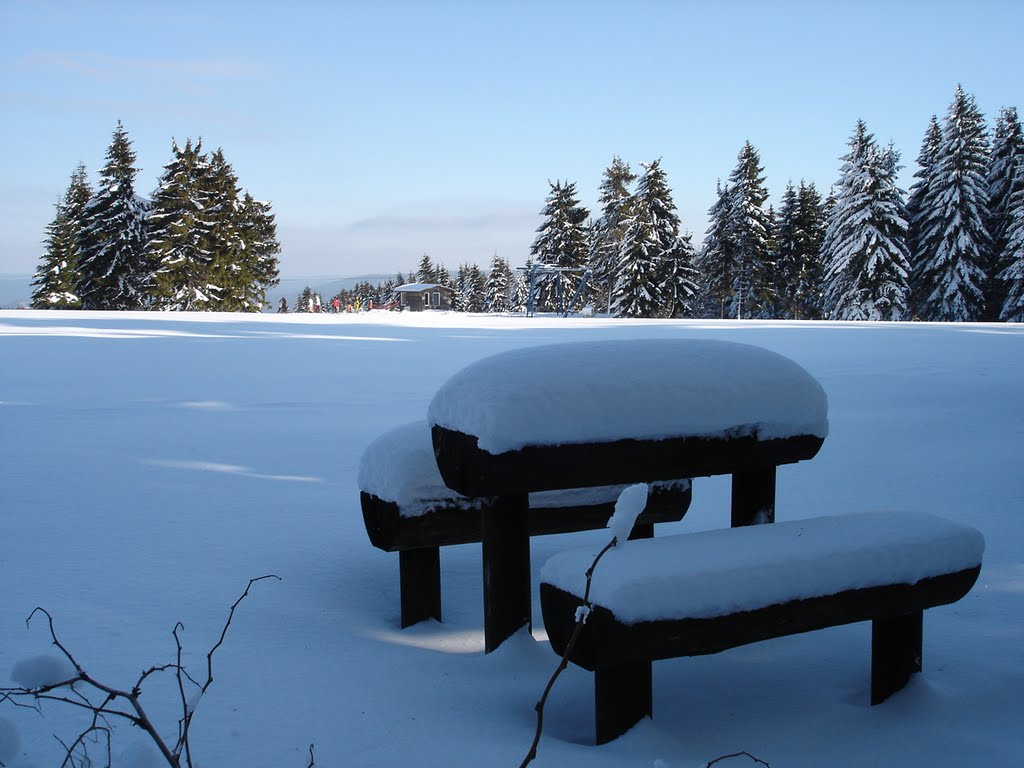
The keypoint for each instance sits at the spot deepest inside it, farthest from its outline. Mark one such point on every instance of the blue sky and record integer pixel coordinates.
(381, 131)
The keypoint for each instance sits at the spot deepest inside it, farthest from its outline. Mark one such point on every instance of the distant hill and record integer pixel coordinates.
(16, 290)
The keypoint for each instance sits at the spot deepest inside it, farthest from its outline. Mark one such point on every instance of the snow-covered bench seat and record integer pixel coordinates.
(701, 593)
(408, 509)
(615, 412)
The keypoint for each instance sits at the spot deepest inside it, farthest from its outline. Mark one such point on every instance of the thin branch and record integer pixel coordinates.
(312, 762)
(66, 692)
(581, 618)
(737, 754)
(224, 631)
(188, 711)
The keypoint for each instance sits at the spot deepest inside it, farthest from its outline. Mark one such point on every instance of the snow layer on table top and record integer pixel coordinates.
(399, 466)
(714, 573)
(649, 389)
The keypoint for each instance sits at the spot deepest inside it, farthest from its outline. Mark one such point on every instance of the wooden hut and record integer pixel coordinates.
(419, 296)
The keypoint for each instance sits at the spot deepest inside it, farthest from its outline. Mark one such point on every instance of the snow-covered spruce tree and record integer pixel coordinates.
(179, 231)
(562, 241)
(113, 270)
(498, 285)
(1004, 179)
(916, 205)
(717, 259)
(954, 243)
(796, 253)
(258, 263)
(651, 234)
(678, 289)
(607, 232)
(749, 229)
(426, 272)
(865, 246)
(472, 288)
(57, 278)
(1012, 275)
(785, 251)
(224, 240)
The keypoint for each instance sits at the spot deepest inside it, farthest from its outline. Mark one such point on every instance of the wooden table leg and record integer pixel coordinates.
(895, 653)
(753, 496)
(623, 696)
(420, 579)
(506, 561)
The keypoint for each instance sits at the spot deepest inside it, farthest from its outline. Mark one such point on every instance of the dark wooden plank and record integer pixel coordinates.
(506, 561)
(607, 642)
(471, 471)
(461, 523)
(420, 579)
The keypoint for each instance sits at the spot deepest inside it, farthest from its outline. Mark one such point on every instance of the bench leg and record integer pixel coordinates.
(642, 531)
(895, 653)
(506, 560)
(753, 497)
(622, 698)
(419, 572)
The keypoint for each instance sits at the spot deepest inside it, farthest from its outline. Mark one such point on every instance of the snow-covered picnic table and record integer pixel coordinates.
(614, 412)
(408, 509)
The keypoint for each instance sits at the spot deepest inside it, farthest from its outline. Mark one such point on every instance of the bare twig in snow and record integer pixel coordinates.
(124, 704)
(581, 618)
(738, 754)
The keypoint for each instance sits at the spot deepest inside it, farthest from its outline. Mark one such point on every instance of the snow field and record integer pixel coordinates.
(152, 464)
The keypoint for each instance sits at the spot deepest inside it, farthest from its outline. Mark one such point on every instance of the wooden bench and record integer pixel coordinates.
(614, 412)
(701, 593)
(408, 509)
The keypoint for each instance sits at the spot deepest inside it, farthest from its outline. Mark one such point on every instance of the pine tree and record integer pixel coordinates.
(498, 285)
(651, 234)
(678, 289)
(179, 230)
(786, 252)
(258, 265)
(57, 277)
(562, 241)
(607, 232)
(226, 283)
(717, 260)
(476, 298)
(954, 244)
(442, 276)
(865, 243)
(796, 253)
(1004, 179)
(917, 210)
(749, 229)
(426, 273)
(113, 269)
(1012, 276)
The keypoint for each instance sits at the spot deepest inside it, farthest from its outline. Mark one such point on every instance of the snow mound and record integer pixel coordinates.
(41, 670)
(646, 389)
(630, 504)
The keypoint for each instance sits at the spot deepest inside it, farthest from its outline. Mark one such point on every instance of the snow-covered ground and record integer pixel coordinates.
(150, 465)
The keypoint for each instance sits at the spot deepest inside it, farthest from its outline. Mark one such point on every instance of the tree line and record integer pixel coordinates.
(951, 250)
(200, 242)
